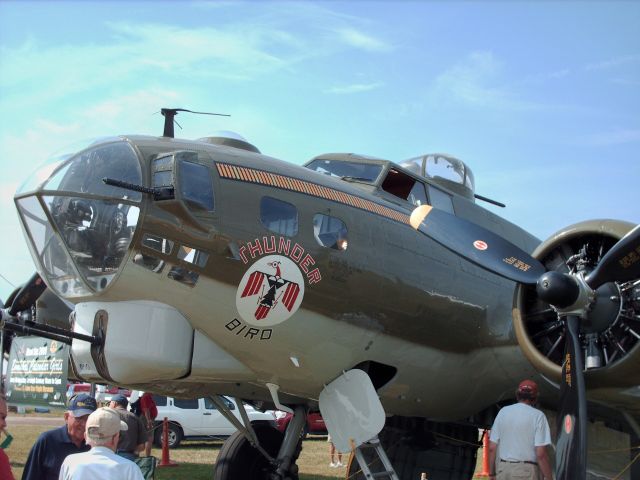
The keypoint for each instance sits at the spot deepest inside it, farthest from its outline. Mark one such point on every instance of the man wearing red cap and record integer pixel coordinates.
(522, 434)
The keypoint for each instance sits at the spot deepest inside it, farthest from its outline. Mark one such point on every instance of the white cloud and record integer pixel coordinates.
(613, 62)
(354, 88)
(613, 137)
(477, 81)
(363, 41)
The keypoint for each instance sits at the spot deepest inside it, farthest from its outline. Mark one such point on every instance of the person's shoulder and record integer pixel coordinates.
(509, 408)
(57, 434)
(131, 471)
(75, 458)
(124, 413)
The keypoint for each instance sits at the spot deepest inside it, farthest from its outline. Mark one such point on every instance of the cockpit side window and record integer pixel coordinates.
(195, 186)
(278, 216)
(440, 199)
(398, 183)
(418, 195)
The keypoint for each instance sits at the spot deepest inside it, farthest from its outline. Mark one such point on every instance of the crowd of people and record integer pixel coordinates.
(95, 443)
(105, 443)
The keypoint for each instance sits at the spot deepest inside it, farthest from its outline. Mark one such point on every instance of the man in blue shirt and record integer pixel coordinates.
(52, 447)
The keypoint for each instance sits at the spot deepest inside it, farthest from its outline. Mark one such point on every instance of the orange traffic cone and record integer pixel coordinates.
(485, 456)
(166, 461)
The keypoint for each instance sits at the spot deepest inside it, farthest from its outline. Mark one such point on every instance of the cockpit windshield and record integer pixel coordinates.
(80, 228)
(443, 169)
(363, 172)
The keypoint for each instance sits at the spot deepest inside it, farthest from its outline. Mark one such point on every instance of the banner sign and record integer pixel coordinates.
(37, 372)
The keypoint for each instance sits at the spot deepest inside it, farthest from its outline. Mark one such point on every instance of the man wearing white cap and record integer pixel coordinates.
(101, 462)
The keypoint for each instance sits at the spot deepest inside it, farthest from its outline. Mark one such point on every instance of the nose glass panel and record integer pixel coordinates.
(85, 171)
(49, 252)
(80, 228)
(97, 234)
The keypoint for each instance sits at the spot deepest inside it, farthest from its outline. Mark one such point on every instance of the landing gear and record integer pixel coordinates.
(239, 460)
(415, 446)
(259, 451)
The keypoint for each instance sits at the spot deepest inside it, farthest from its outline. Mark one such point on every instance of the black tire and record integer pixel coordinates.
(414, 445)
(174, 432)
(238, 460)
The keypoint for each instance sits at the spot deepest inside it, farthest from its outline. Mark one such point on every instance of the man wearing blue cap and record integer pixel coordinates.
(131, 440)
(52, 447)
(101, 462)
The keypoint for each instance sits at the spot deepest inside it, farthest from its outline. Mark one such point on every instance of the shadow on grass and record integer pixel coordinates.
(191, 471)
(198, 471)
(195, 445)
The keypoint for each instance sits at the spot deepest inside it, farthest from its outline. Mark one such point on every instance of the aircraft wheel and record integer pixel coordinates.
(238, 460)
(415, 446)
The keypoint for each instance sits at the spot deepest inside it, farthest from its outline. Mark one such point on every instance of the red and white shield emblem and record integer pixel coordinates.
(270, 291)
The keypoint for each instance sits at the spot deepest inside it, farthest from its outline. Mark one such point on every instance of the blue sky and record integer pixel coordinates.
(541, 99)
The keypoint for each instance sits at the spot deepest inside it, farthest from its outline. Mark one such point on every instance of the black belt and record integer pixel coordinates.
(519, 461)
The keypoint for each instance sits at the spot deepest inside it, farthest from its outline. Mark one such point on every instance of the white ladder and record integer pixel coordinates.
(388, 472)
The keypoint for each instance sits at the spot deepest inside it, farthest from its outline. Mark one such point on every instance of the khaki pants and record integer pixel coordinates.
(517, 471)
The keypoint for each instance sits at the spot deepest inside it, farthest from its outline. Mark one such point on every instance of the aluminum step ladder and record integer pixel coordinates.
(388, 472)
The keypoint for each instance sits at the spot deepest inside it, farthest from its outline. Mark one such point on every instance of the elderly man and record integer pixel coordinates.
(52, 447)
(101, 462)
(132, 440)
(522, 432)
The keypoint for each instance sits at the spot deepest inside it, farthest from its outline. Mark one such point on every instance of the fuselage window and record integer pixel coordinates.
(151, 262)
(157, 243)
(184, 276)
(189, 255)
(330, 232)
(196, 186)
(278, 216)
(192, 255)
(440, 199)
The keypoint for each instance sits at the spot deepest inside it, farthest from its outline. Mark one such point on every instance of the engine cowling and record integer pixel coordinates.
(609, 335)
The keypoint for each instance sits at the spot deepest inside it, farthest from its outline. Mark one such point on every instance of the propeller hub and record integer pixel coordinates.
(558, 289)
(605, 310)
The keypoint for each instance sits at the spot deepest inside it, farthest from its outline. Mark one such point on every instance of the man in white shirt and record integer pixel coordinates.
(101, 462)
(522, 432)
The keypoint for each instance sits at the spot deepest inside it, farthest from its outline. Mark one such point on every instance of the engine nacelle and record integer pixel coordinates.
(609, 336)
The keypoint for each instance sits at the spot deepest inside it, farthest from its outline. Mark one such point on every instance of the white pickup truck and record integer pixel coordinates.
(199, 418)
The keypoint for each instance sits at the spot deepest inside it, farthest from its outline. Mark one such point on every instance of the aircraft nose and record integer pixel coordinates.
(77, 227)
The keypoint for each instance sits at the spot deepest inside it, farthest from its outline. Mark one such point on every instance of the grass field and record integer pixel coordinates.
(195, 458)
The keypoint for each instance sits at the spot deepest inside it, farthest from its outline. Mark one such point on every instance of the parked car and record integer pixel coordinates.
(105, 392)
(315, 422)
(76, 388)
(199, 418)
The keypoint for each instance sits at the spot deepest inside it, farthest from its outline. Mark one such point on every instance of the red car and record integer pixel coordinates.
(315, 423)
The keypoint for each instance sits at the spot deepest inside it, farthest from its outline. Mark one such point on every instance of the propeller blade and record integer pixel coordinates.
(477, 244)
(621, 263)
(28, 294)
(571, 444)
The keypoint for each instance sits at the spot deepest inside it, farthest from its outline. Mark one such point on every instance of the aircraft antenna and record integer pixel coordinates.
(169, 118)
